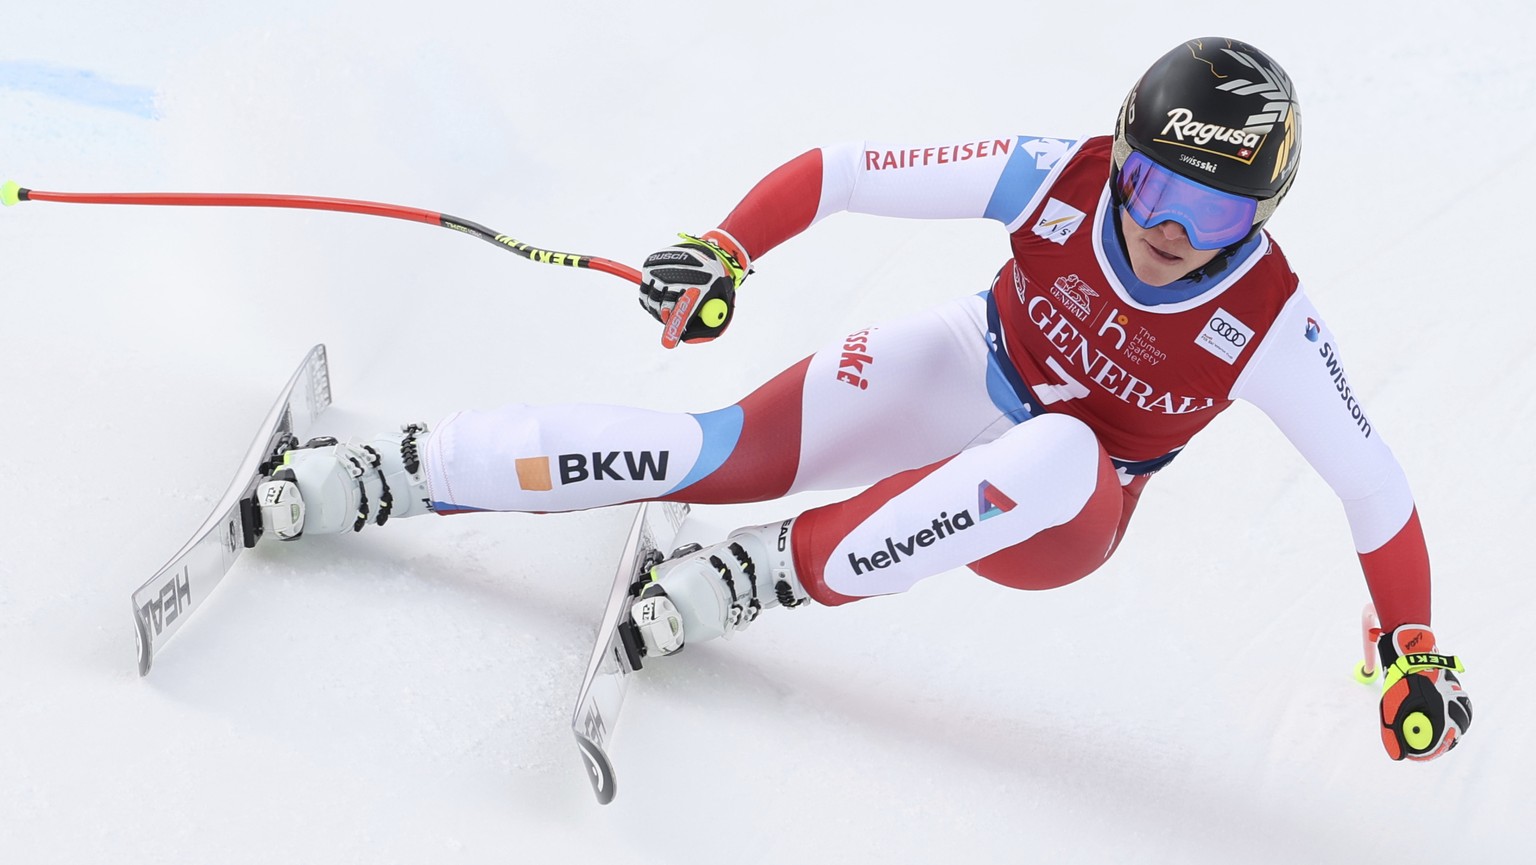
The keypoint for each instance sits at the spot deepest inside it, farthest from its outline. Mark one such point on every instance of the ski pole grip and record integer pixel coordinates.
(1370, 632)
(677, 319)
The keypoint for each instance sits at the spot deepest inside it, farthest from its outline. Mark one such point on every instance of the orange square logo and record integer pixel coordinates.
(533, 474)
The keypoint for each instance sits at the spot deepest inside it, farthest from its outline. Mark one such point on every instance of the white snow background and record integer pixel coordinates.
(403, 695)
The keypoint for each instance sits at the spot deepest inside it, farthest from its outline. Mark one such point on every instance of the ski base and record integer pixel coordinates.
(164, 602)
(616, 653)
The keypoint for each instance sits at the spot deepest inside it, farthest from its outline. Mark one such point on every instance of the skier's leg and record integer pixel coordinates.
(1039, 507)
(1066, 553)
(1042, 506)
(877, 402)
(874, 403)
(328, 486)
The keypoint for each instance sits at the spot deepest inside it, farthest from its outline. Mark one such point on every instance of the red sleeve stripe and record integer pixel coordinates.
(1398, 576)
(780, 206)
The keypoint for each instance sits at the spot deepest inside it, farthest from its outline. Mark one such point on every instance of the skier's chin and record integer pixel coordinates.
(1160, 256)
(1155, 268)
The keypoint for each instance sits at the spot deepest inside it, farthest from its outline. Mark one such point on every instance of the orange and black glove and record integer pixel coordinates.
(1424, 711)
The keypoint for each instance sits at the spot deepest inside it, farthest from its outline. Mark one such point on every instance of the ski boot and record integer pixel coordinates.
(706, 592)
(324, 487)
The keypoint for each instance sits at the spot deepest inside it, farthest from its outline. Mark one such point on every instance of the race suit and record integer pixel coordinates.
(1011, 430)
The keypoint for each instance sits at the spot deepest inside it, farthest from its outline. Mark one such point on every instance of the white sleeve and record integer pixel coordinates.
(993, 178)
(1297, 378)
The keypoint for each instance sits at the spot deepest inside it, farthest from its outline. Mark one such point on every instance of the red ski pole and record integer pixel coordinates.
(12, 193)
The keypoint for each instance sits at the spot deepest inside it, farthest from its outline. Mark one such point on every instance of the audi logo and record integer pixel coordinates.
(1227, 332)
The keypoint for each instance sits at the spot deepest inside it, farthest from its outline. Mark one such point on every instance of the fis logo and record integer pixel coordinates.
(1058, 221)
(534, 474)
(991, 501)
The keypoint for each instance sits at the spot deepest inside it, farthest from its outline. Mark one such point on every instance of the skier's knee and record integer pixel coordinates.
(1088, 505)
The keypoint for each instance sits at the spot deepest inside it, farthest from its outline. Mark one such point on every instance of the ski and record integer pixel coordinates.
(163, 604)
(616, 651)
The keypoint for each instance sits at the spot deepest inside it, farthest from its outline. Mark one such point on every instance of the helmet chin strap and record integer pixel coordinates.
(1216, 266)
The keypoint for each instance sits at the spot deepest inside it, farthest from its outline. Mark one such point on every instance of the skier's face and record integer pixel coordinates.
(1161, 254)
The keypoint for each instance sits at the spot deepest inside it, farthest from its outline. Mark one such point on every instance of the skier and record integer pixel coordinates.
(1010, 431)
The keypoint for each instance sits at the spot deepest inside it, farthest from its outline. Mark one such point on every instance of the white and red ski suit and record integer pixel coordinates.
(1011, 431)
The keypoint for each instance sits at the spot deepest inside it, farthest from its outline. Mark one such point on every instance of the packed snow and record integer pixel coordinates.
(404, 694)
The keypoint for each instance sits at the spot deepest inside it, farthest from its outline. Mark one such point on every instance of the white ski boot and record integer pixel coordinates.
(708, 592)
(326, 487)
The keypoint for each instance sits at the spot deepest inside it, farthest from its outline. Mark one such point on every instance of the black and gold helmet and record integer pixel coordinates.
(1218, 112)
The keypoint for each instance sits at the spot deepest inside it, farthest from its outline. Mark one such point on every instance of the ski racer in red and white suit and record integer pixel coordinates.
(956, 415)
(1010, 431)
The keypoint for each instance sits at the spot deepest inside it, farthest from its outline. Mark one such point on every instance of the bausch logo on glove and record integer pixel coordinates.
(668, 255)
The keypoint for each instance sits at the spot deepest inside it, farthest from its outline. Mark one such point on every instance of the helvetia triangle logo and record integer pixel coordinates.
(991, 501)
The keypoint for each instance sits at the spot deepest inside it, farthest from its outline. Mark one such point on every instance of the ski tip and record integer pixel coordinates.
(599, 769)
(10, 193)
(144, 644)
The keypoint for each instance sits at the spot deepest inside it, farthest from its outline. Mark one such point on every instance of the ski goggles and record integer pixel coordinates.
(1152, 195)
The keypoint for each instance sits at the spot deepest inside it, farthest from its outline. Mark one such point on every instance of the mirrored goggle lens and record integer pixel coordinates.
(1213, 219)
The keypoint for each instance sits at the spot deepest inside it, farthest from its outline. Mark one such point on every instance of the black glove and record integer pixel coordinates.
(1424, 711)
(694, 282)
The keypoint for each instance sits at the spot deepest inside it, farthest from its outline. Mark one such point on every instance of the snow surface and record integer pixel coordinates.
(403, 695)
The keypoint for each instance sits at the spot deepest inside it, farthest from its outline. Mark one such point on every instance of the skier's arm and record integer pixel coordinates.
(1298, 379)
(995, 178)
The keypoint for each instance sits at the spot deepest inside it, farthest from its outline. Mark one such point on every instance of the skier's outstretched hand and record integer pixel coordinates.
(1424, 711)
(691, 287)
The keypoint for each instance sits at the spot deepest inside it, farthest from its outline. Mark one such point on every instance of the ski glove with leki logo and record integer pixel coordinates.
(1424, 711)
(691, 287)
